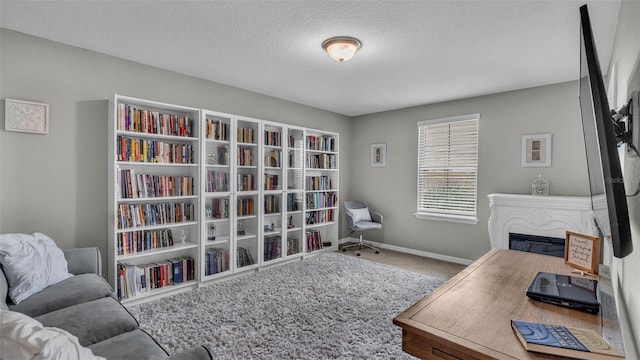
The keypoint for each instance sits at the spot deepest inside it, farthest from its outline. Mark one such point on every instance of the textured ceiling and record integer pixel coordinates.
(413, 52)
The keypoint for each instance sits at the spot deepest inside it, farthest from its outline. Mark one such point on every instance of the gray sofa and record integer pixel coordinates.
(84, 306)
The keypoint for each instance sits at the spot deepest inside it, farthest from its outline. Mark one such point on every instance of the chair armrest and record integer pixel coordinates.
(349, 220)
(84, 260)
(375, 216)
(194, 353)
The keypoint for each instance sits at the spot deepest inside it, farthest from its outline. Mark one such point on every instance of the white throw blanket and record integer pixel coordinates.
(22, 337)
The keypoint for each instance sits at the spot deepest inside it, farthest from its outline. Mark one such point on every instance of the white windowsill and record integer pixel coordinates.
(444, 217)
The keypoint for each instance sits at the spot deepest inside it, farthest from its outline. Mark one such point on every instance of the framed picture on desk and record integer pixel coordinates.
(582, 252)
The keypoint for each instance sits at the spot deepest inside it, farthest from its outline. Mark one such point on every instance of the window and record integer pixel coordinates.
(448, 169)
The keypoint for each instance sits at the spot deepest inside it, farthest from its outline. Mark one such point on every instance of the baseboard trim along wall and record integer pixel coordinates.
(426, 254)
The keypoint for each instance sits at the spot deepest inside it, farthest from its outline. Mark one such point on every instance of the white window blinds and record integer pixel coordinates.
(448, 166)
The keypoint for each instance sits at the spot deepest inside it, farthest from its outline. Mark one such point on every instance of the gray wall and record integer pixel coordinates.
(57, 183)
(626, 54)
(504, 118)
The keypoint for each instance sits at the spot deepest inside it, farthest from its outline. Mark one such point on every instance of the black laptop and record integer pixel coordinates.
(563, 290)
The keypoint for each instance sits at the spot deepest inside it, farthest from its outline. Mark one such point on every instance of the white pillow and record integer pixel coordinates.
(22, 337)
(31, 263)
(359, 214)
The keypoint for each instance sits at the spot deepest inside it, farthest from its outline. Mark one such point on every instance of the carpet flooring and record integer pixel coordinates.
(329, 306)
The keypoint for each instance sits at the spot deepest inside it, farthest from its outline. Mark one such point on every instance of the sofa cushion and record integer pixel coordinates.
(124, 346)
(31, 263)
(22, 337)
(4, 290)
(74, 290)
(92, 321)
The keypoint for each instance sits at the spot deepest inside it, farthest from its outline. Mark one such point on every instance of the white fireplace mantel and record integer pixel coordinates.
(538, 215)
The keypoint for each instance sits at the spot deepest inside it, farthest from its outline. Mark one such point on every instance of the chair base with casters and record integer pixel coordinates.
(360, 218)
(360, 245)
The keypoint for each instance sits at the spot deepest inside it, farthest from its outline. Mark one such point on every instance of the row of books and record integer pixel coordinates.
(246, 182)
(271, 204)
(272, 138)
(153, 122)
(135, 215)
(293, 202)
(321, 161)
(217, 261)
(295, 142)
(153, 151)
(245, 157)
(244, 257)
(273, 158)
(133, 186)
(134, 280)
(134, 242)
(321, 143)
(218, 157)
(271, 182)
(319, 183)
(245, 135)
(320, 216)
(217, 181)
(219, 209)
(272, 246)
(321, 200)
(314, 240)
(217, 130)
(246, 207)
(295, 160)
(293, 245)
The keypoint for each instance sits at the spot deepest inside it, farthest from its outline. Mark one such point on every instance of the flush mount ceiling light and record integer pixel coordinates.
(341, 48)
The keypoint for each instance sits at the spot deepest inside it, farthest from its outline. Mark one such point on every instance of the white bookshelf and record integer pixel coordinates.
(250, 188)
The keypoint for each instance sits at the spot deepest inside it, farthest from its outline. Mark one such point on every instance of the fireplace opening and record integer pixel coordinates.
(537, 244)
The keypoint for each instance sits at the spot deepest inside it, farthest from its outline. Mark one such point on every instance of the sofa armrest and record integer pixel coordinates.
(84, 260)
(195, 353)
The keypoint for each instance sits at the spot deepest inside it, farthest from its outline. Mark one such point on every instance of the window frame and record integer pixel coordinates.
(444, 216)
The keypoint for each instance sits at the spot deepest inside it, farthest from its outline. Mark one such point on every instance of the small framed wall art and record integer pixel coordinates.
(26, 116)
(536, 150)
(582, 252)
(378, 155)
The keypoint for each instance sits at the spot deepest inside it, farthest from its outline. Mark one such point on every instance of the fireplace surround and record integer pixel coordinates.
(545, 216)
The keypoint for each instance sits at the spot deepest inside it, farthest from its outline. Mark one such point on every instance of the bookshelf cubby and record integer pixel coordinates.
(197, 195)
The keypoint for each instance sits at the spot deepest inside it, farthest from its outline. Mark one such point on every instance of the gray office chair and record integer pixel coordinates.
(359, 218)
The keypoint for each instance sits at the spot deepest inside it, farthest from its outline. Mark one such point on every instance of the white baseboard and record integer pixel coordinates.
(426, 254)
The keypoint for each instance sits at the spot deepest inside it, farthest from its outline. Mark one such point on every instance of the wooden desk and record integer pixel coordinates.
(469, 317)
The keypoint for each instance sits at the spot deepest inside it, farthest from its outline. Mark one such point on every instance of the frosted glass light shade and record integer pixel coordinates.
(341, 48)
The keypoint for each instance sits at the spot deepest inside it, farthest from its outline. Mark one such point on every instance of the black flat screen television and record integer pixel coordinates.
(608, 198)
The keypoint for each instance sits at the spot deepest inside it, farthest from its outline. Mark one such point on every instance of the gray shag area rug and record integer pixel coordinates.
(330, 306)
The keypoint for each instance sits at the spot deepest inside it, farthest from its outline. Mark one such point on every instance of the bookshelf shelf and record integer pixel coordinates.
(251, 183)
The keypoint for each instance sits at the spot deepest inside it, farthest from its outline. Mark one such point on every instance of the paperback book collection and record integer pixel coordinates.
(321, 143)
(153, 122)
(132, 185)
(321, 200)
(320, 216)
(314, 240)
(219, 209)
(321, 161)
(271, 204)
(217, 261)
(134, 280)
(272, 138)
(133, 149)
(245, 207)
(244, 257)
(245, 157)
(271, 182)
(217, 130)
(133, 242)
(245, 135)
(318, 183)
(293, 245)
(217, 181)
(134, 215)
(293, 202)
(246, 182)
(272, 246)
